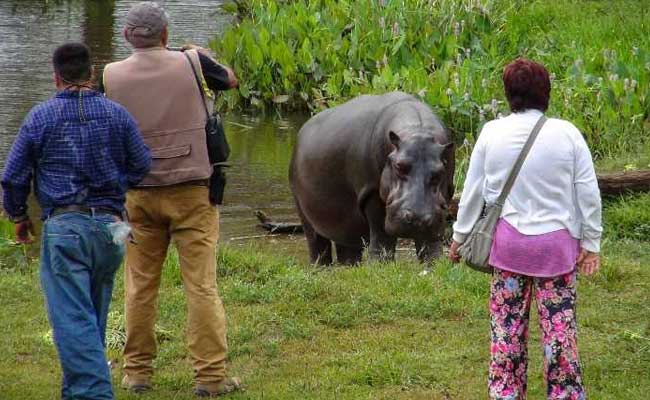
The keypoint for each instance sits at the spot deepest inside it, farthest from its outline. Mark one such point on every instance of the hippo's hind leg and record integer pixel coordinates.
(348, 255)
(320, 248)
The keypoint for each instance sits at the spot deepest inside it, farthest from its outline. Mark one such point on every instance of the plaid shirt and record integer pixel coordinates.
(82, 149)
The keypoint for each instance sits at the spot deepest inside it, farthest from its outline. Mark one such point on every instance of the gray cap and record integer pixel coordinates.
(145, 23)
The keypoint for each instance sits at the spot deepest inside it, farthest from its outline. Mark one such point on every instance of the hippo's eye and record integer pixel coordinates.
(402, 169)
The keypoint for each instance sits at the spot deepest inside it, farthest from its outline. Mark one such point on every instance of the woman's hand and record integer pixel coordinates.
(453, 252)
(588, 262)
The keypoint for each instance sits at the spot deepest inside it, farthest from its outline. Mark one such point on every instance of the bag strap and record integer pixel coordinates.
(198, 84)
(520, 161)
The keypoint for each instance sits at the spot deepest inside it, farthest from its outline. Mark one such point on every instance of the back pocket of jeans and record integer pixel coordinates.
(63, 253)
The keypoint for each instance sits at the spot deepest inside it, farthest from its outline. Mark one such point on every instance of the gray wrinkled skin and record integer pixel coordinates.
(369, 171)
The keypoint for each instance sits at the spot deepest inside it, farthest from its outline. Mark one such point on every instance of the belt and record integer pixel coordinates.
(196, 182)
(199, 182)
(92, 211)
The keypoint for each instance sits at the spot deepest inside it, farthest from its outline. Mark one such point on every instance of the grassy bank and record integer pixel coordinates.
(371, 332)
(315, 54)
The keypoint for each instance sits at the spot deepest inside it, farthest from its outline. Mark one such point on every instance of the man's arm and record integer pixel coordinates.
(217, 76)
(138, 157)
(19, 170)
(587, 196)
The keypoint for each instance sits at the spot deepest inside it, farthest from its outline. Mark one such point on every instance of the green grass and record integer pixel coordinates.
(378, 331)
(629, 219)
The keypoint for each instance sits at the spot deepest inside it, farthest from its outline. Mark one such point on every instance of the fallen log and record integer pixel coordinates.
(610, 184)
(624, 182)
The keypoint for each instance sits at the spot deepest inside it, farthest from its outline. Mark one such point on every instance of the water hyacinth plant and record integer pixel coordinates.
(315, 54)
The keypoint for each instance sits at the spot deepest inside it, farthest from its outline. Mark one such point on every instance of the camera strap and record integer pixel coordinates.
(199, 85)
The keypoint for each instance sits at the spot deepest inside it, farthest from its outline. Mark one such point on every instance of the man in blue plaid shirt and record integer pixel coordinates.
(84, 151)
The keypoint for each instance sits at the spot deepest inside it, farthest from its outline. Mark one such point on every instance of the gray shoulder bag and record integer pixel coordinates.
(476, 249)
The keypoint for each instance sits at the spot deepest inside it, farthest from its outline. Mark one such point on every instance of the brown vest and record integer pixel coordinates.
(158, 88)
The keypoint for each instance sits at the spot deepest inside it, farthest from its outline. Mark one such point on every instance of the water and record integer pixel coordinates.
(261, 148)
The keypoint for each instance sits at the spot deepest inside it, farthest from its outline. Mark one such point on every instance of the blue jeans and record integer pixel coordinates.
(78, 265)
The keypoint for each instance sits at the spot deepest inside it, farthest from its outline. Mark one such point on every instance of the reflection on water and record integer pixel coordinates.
(261, 148)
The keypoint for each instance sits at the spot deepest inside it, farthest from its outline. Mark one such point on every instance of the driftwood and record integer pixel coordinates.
(614, 183)
(277, 227)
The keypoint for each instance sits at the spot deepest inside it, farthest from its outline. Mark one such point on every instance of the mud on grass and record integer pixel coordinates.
(371, 332)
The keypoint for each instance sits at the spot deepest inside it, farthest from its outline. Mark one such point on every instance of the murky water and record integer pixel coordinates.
(31, 29)
(261, 150)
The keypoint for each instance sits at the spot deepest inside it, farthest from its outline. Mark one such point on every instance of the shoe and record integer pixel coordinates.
(136, 386)
(224, 386)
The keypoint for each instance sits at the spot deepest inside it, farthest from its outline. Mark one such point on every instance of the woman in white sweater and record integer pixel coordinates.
(551, 223)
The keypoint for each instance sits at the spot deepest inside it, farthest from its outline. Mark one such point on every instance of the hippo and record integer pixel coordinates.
(369, 171)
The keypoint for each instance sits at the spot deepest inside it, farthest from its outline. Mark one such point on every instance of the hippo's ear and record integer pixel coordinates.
(394, 139)
(449, 148)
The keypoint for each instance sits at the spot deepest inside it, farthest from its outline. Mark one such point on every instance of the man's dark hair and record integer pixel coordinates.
(72, 62)
(527, 85)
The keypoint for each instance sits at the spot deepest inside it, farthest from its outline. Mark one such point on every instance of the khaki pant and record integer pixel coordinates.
(184, 215)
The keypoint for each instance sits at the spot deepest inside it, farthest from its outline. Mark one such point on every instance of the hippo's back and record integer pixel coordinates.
(346, 121)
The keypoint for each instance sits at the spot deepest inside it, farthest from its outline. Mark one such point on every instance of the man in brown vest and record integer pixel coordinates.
(157, 86)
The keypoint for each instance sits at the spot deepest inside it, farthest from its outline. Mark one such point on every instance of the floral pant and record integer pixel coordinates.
(510, 299)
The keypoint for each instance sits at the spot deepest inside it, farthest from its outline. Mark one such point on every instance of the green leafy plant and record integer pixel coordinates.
(316, 54)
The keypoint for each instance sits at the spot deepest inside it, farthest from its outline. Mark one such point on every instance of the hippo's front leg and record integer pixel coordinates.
(382, 245)
(428, 249)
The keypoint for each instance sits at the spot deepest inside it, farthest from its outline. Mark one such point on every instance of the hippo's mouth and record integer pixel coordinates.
(399, 228)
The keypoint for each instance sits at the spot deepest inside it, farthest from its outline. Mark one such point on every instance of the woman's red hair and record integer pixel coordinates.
(527, 85)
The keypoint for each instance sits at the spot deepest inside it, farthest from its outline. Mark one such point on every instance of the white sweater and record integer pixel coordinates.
(555, 189)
